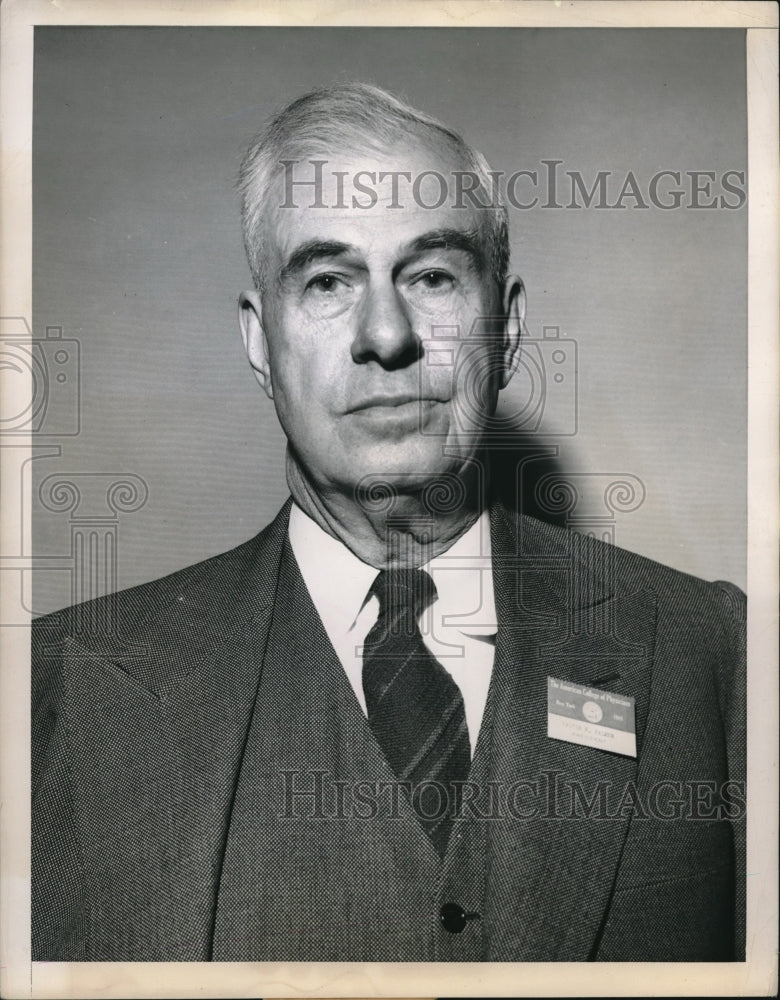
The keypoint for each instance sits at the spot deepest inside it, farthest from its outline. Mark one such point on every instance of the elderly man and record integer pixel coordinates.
(403, 723)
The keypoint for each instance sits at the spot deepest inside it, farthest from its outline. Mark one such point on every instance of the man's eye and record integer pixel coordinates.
(436, 280)
(324, 283)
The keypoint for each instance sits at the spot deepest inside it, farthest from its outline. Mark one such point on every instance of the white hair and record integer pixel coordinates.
(355, 116)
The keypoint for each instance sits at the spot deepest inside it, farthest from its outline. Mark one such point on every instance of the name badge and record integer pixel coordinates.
(591, 717)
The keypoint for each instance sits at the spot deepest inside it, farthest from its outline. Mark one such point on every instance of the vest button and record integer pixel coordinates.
(454, 918)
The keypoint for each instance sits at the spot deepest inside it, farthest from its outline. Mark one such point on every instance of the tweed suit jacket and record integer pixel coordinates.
(180, 729)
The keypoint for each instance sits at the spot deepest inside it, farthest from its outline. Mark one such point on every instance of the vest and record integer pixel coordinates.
(325, 859)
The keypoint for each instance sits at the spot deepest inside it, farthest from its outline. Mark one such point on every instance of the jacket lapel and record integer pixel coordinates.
(158, 715)
(551, 869)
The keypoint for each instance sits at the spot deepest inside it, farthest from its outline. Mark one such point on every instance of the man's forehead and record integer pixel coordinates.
(403, 231)
(368, 198)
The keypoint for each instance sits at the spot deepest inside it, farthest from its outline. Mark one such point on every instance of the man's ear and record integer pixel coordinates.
(513, 305)
(250, 321)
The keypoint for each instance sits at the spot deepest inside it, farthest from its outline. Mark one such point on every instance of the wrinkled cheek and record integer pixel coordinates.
(297, 383)
(476, 391)
(293, 410)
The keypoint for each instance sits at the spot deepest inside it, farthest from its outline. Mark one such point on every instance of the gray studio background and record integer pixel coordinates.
(138, 257)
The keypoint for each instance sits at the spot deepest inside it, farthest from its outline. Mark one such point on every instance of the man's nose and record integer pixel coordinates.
(386, 333)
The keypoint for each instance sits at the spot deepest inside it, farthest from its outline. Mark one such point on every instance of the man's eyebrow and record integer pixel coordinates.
(310, 251)
(469, 241)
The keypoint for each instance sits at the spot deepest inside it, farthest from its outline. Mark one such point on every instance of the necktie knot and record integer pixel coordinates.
(403, 592)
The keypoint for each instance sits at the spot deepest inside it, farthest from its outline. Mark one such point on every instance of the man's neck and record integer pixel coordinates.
(403, 530)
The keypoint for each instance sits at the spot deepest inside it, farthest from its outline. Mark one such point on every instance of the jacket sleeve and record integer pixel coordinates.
(58, 911)
(732, 687)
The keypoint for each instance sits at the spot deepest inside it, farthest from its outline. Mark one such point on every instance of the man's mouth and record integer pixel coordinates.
(387, 401)
(393, 415)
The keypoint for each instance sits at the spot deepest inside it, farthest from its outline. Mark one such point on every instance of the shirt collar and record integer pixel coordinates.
(464, 582)
(338, 581)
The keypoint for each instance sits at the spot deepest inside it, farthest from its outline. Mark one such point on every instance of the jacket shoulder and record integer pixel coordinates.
(133, 605)
(200, 594)
(631, 572)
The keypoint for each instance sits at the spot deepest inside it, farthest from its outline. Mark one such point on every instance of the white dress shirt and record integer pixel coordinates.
(459, 628)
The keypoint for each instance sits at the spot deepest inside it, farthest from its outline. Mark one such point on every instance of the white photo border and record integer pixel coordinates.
(755, 977)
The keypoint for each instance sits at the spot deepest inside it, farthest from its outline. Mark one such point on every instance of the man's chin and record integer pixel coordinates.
(404, 471)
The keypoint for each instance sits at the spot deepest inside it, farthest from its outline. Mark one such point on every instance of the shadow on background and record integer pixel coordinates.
(519, 463)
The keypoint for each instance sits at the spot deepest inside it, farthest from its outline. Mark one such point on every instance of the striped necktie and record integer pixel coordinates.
(415, 709)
